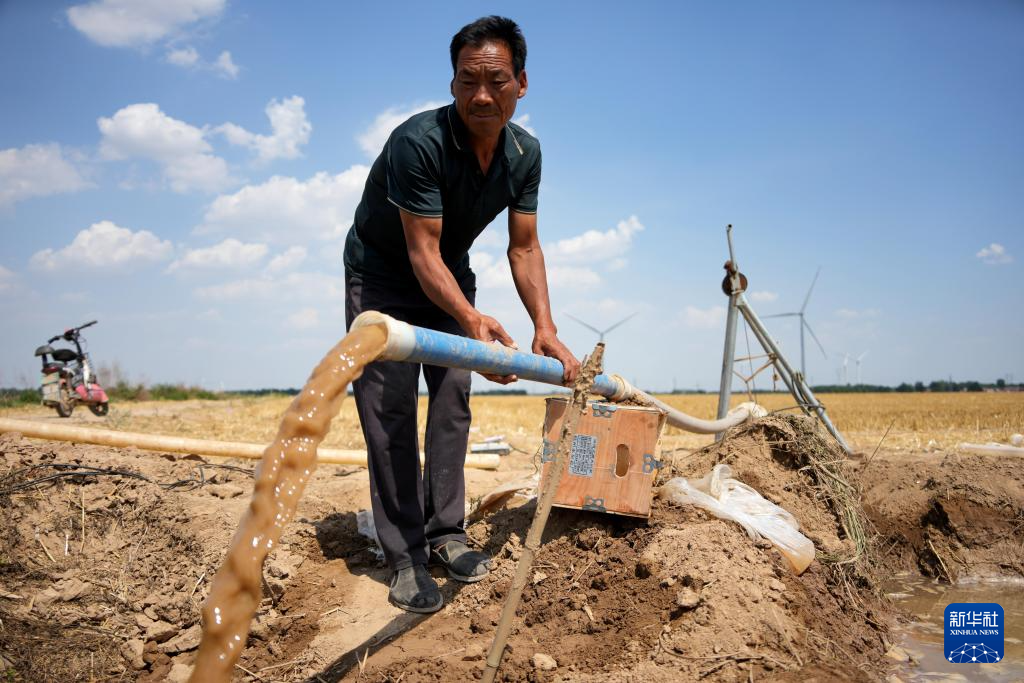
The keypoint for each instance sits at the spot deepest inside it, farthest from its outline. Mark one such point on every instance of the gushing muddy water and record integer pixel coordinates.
(280, 479)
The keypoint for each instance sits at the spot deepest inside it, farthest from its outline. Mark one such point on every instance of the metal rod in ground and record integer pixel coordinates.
(735, 288)
(794, 380)
(577, 404)
(763, 338)
(725, 390)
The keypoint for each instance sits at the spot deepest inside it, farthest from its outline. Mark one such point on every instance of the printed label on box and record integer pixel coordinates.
(584, 452)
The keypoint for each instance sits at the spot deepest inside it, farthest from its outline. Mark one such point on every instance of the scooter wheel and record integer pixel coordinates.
(99, 409)
(64, 405)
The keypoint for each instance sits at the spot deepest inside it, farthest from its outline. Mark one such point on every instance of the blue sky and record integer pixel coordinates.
(185, 172)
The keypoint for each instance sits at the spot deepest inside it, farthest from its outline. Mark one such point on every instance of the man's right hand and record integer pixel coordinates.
(486, 329)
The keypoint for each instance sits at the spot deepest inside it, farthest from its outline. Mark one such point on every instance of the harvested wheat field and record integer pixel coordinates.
(103, 572)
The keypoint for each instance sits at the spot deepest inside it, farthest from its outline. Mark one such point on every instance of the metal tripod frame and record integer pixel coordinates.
(734, 285)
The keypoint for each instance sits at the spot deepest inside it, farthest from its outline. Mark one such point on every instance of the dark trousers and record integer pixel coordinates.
(412, 510)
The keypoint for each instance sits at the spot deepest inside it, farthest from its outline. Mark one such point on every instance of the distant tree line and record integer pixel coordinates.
(939, 385)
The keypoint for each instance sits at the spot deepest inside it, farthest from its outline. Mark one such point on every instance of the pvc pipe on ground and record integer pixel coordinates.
(419, 345)
(180, 444)
(991, 448)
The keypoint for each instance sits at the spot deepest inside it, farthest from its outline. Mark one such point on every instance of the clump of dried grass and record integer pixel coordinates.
(805, 443)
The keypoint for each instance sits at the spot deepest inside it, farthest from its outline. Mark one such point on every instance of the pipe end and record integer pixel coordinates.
(401, 336)
(623, 389)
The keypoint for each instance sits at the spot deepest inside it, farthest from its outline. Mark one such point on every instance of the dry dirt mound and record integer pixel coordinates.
(103, 568)
(686, 597)
(949, 517)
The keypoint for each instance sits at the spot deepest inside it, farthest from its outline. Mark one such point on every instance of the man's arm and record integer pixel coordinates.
(423, 239)
(527, 262)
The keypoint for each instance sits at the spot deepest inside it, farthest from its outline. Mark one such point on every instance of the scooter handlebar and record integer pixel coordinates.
(71, 333)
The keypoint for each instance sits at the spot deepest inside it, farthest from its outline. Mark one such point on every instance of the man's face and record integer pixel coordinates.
(485, 88)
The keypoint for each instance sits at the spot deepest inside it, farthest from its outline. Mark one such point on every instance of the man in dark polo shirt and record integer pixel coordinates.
(442, 177)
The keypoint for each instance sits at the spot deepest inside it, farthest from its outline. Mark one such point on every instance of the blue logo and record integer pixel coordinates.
(973, 633)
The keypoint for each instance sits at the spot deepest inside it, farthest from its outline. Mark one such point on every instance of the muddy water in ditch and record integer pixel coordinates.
(922, 637)
(280, 479)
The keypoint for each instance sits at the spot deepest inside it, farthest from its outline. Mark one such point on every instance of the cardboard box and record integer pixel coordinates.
(614, 458)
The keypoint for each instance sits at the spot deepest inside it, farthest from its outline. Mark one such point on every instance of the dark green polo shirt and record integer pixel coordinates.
(428, 168)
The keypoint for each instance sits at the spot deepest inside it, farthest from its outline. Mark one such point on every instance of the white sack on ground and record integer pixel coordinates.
(991, 448)
(364, 525)
(729, 498)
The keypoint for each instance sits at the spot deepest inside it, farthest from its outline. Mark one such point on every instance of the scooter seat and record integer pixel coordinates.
(43, 350)
(64, 355)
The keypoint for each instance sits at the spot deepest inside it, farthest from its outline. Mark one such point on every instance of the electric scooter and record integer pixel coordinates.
(68, 378)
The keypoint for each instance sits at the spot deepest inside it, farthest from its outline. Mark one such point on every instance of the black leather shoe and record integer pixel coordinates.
(414, 590)
(463, 564)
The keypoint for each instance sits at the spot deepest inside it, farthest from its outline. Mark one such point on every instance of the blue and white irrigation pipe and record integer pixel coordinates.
(419, 345)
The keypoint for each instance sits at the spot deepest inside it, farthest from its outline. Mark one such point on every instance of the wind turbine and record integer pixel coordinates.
(804, 325)
(859, 359)
(846, 369)
(601, 333)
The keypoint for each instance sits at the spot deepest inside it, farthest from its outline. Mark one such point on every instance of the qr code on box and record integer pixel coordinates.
(581, 459)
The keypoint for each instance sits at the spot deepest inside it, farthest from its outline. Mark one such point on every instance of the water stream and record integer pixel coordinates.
(922, 637)
(281, 477)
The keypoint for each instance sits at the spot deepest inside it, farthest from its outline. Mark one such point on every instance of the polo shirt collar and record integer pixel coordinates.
(460, 135)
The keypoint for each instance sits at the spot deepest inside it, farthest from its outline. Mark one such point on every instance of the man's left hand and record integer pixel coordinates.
(547, 343)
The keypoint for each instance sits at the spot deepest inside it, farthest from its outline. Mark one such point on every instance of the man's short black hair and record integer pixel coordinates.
(489, 29)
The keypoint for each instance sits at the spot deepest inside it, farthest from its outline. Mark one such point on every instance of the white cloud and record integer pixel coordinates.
(994, 254)
(303, 319)
(225, 66)
(495, 273)
(704, 318)
(7, 278)
(36, 171)
(288, 289)
(764, 296)
(286, 260)
(572, 277)
(568, 261)
(593, 245)
(189, 58)
(524, 123)
(285, 209)
(186, 57)
(290, 128)
(228, 254)
(105, 245)
(491, 272)
(132, 23)
(373, 138)
(142, 131)
(237, 289)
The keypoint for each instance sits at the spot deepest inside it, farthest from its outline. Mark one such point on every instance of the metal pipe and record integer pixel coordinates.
(725, 389)
(794, 381)
(785, 371)
(419, 345)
